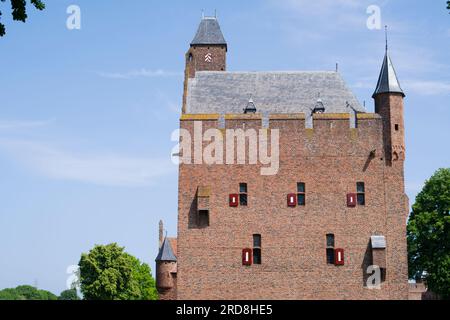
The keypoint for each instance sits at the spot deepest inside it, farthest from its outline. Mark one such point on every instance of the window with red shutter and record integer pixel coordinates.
(233, 200)
(247, 257)
(339, 257)
(351, 200)
(291, 200)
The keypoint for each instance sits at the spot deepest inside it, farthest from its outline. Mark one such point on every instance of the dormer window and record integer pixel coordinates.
(319, 107)
(250, 108)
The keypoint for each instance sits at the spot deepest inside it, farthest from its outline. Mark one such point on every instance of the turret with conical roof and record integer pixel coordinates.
(166, 271)
(388, 96)
(387, 80)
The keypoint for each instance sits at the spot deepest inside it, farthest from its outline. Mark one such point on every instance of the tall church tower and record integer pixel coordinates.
(207, 52)
(388, 98)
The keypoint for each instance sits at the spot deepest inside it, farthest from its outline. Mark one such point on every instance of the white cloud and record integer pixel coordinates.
(100, 169)
(317, 6)
(425, 87)
(16, 124)
(139, 74)
(326, 13)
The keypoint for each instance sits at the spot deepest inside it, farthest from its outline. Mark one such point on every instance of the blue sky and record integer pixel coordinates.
(86, 115)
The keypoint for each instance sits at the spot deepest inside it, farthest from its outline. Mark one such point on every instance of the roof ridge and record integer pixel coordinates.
(273, 71)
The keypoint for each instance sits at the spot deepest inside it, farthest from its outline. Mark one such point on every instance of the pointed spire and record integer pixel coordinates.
(387, 80)
(386, 37)
(209, 32)
(166, 252)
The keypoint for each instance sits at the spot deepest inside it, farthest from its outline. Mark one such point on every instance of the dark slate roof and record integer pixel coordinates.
(166, 252)
(272, 92)
(209, 32)
(387, 81)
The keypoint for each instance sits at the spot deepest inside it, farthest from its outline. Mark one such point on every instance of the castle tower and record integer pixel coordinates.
(207, 52)
(388, 98)
(166, 270)
(332, 209)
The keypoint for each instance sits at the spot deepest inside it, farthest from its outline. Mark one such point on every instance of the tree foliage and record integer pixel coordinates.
(19, 11)
(109, 273)
(26, 292)
(429, 234)
(70, 294)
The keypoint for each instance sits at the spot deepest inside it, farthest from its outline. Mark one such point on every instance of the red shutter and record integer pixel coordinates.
(234, 200)
(339, 257)
(291, 200)
(247, 257)
(351, 200)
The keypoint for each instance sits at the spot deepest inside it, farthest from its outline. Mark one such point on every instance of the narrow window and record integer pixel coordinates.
(361, 193)
(330, 248)
(256, 249)
(203, 218)
(243, 194)
(301, 194)
(396, 127)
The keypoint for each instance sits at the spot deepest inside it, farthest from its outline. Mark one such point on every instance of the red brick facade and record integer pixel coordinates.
(329, 159)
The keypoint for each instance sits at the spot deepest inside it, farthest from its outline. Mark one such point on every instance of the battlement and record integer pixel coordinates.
(315, 121)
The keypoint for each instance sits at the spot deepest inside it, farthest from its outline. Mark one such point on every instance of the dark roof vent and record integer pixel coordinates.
(319, 107)
(250, 108)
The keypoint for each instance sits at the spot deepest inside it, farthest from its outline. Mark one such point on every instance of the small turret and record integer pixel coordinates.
(388, 96)
(166, 268)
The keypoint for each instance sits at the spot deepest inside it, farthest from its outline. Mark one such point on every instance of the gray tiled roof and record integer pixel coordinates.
(387, 81)
(272, 92)
(209, 32)
(166, 252)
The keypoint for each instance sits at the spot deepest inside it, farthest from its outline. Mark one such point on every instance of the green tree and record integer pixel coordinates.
(109, 273)
(26, 292)
(448, 5)
(70, 294)
(19, 11)
(145, 282)
(428, 234)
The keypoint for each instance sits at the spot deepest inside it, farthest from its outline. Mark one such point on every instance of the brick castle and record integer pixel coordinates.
(334, 214)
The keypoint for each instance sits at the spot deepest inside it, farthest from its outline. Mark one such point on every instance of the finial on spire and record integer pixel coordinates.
(203, 14)
(386, 36)
(215, 13)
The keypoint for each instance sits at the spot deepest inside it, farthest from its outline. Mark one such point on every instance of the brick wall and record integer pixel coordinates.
(329, 159)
